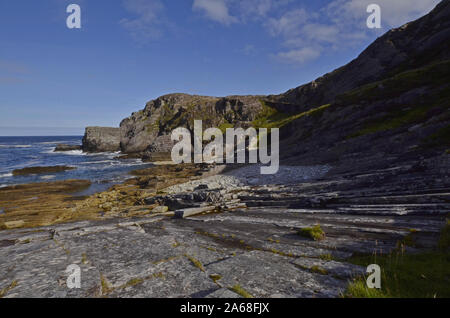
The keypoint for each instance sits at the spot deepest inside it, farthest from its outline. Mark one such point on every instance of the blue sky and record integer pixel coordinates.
(56, 81)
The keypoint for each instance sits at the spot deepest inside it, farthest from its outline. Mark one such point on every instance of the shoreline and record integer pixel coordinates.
(179, 229)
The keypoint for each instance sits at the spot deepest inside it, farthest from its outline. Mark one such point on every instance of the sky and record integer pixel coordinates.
(56, 81)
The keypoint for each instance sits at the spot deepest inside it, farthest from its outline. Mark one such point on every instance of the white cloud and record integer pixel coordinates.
(289, 24)
(249, 50)
(216, 10)
(147, 23)
(394, 13)
(257, 9)
(238, 11)
(299, 56)
(340, 24)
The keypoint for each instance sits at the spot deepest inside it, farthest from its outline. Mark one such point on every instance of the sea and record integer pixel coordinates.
(102, 169)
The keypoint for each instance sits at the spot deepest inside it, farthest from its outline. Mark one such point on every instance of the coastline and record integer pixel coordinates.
(187, 230)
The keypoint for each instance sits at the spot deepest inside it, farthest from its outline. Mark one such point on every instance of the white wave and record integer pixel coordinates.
(68, 153)
(95, 162)
(4, 185)
(47, 177)
(74, 153)
(49, 150)
(6, 175)
(15, 146)
(53, 142)
(110, 155)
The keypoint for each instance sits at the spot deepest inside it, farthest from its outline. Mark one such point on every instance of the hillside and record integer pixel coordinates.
(393, 98)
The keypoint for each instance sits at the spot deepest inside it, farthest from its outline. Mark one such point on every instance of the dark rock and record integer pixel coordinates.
(149, 130)
(64, 147)
(41, 170)
(410, 46)
(101, 139)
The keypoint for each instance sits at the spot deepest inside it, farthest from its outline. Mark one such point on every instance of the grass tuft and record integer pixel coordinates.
(444, 241)
(134, 282)
(5, 290)
(196, 262)
(358, 289)
(272, 118)
(326, 257)
(241, 291)
(215, 277)
(425, 275)
(319, 270)
(316, 233)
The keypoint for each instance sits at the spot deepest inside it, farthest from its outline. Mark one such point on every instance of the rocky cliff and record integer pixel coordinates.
(150, 128)
(390, 104)
(394, 95)
(101, 139)
(411, 46)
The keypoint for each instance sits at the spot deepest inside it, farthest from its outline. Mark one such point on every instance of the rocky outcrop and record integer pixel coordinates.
(64, 147)
(396, 90)
(413, 45)
(41, 170)
(101, 139)
(150, 129)
(389, 104)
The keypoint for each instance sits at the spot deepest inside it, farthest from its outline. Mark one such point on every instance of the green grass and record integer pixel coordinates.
(5, 290)
(408, 240)
(106, 287)
(272, 118)
(215, 277)
(326, 257)
(419, 275)
(316, 233)
(403, 116)
(444, 240)
(434, 74)
(439, 138)
(196, 262)
(134, 282)
(395, 119)
(359, 289)
(241, 291)
(424, 275)
(225, 126)
(319, 270)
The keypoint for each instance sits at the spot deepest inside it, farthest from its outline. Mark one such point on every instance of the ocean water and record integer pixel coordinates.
(103, 169)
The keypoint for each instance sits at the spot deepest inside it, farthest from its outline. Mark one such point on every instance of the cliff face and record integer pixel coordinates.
(150, 128)
(392, 99)
(391, 103)
(101, 139)
(411, 46)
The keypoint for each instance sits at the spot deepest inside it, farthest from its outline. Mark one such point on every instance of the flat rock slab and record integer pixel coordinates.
(193, 212)
(245, 248)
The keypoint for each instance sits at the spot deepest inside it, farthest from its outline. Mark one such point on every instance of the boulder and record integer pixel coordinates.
(160, 209)
(64, 147)
(41, 170)
(101, 139)
(193, 212)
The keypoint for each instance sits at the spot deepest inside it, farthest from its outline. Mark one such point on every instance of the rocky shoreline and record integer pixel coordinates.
(365, 171)
(190, 232)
